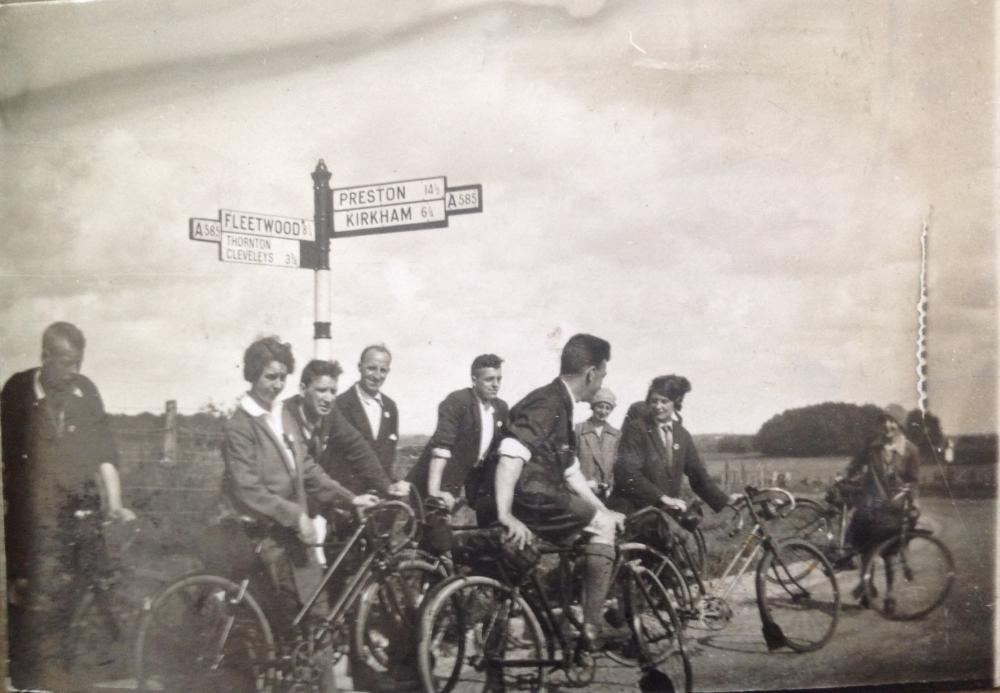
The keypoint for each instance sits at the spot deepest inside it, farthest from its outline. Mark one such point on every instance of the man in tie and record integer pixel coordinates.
(469, 421)
(370, 410)
(656, 452)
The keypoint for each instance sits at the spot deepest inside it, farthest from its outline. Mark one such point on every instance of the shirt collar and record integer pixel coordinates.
(483, 406)
(365, 397)
(250, 406)
(568, 390)
(40, 391)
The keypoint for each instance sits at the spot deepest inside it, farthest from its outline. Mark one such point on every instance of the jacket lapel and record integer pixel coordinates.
(653, 431)
(477, 418)
(261, 423)
(358, 415)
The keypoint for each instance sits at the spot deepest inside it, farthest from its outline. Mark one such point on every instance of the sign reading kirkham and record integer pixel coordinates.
(360, 210)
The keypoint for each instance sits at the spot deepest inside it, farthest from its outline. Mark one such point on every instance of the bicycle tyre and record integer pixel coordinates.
(378, 609)
(797, 595)
(657, 630)
(174, 646)
(694, 540)
(467, 621)
(926, 567)
(683, 588)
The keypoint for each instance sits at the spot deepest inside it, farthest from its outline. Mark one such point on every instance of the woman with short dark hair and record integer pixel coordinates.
(269, 477)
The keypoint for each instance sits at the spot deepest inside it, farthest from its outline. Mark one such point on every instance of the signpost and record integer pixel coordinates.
(360, 210)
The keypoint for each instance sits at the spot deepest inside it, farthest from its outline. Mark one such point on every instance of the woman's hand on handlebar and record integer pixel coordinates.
(306, 530)
(673, 503)
(364, 500)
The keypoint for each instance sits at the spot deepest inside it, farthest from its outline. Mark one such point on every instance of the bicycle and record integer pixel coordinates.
(796, 591)
(922, 561)
(104, 599)
(494, 626)
(208, 632)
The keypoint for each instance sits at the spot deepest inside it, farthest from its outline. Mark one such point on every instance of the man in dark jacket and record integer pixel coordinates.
(341, 450)
(469, 421)
(59, 460)
(539, 488)
(371, 411)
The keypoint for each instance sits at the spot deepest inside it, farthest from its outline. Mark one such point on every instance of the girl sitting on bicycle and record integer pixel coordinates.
(888, 463)
(268, 479)
(656, 453)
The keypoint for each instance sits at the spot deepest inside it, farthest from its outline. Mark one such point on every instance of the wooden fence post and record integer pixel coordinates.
(170, 434)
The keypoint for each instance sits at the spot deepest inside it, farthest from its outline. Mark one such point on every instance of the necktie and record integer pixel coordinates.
(668, 442)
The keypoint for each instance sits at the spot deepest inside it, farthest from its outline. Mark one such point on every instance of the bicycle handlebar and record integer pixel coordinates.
(761, 503)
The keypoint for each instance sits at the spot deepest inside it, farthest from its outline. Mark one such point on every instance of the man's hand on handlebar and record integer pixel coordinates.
(399, 489)
(673, 503)
(448, 498)
(517, 532)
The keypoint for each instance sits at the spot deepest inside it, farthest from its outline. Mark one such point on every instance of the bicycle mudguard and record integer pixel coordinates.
(773, 635)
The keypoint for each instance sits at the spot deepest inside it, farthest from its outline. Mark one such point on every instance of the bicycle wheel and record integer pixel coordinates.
(680, 584)
(203, 633)
(797, 595)
(390, 606)
(911, 580)
(656, 628)
(470, 626)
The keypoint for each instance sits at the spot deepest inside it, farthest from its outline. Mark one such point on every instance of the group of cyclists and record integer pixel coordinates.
(317, 455)
(516, 468)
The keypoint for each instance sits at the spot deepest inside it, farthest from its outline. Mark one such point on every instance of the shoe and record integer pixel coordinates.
(363, 677)
(889, 606)
(594, 640)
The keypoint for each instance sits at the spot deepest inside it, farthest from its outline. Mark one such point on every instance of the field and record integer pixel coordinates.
(799, 474)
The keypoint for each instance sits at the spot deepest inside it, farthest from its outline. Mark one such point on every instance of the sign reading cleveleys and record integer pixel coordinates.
(360, 210)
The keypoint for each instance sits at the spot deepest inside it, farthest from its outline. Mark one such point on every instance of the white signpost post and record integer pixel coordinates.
(361, 210)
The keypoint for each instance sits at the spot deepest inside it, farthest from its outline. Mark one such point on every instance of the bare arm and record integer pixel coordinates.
(112, 485)
(507, 474)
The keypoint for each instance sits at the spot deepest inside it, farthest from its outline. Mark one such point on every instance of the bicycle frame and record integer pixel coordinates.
(359, 580)
(746, 555)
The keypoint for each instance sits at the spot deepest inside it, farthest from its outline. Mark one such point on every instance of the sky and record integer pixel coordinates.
(734, 192)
